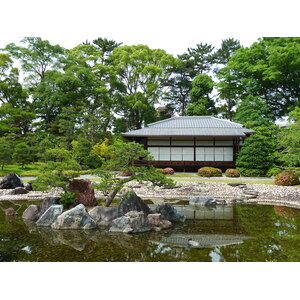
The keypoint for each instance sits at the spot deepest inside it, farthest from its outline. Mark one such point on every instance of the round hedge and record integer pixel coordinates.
(232, 173)
(168, 171)
(209, 172)
(286, 178)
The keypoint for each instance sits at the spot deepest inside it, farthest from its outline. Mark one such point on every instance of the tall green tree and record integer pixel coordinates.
(289, 141)
(5, 152)
(11, 90)
(268, 69)
(36, 57)
(202, 104)
(139, 82)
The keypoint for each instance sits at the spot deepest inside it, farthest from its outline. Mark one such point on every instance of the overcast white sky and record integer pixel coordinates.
(171, 25)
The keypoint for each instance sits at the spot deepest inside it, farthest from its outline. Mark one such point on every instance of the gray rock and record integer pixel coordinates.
(131, 202)
(47, 202)
(132, 222)
(203, 200)
(28, 186)
(168, 212)
(11, 181)
(75, 218)
(250, 192)
(18, 191)
(31, 212)
(104, 215)
(158, 223)
(50, 215)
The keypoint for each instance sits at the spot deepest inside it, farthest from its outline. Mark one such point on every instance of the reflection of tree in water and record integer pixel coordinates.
(275, 238)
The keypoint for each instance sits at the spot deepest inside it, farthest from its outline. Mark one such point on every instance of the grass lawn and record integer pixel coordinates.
(33, 169)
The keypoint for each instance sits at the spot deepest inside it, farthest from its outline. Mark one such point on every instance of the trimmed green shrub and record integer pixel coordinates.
(159, 170)
(93, 161)
(67, 200)
(168, 171)
(251, 172)
(209, 172)
(273, 172)
(232, 173)
(257, 153)
(286, 178)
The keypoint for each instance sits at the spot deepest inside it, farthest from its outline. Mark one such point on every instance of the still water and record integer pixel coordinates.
(237, 233)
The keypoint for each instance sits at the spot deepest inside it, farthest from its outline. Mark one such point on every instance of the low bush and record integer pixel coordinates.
(232, 173)
(252, 172)
(67, 200)
(273, 172)
(209, 172)
(158, 170)
(286, 178)
(168, 171)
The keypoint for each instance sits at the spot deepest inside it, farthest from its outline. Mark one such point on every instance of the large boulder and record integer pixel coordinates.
(203, 200)
(131, 202)
(168, 212)
(132, 222)
(11, 181)
(18, 191)
(31, 212)
(50, 215)
(158, 223)
(47, 202)
(75, 218)
(84, 190)
(103, 216)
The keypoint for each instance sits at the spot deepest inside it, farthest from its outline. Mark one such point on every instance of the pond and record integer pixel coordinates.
(226, 233)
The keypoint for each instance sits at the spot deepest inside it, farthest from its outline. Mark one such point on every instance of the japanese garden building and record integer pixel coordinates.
(188, 143)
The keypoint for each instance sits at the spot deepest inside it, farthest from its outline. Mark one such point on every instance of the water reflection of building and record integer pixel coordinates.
(205, 240)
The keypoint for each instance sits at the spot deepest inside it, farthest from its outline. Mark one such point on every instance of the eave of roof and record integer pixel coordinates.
(200, 126)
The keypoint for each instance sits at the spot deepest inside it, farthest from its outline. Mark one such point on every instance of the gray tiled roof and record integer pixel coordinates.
(192, 126)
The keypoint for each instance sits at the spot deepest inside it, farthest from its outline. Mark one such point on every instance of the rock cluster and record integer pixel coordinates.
(133, 215)
(11, 181)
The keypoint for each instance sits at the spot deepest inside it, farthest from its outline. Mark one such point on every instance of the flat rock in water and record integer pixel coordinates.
(131, 202)
(50, 215)
(10, 212)
(132, 222)
(11, 181)
(158, 223)
(75, 218)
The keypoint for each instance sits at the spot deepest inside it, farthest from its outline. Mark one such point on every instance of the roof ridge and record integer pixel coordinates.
(161, 121)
